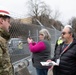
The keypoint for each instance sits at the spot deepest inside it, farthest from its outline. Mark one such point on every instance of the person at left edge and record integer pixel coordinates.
(40, 51)
(5, 63)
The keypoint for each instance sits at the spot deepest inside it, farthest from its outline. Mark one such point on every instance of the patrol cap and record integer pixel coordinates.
(4, 11)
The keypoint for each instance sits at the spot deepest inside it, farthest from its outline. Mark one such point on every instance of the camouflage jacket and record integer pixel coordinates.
(5, 64)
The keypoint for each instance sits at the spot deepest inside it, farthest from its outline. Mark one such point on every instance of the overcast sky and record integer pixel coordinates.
(67, 8)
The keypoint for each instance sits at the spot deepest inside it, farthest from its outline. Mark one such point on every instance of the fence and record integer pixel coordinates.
(22, 31)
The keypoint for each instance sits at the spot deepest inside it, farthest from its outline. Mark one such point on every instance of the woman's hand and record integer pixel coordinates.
(29, 40)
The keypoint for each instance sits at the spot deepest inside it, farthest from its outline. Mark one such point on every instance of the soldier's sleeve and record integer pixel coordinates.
(5, 64)
(1, 56)
(1, 53)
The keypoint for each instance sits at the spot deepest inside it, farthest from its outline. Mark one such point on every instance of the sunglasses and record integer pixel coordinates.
(63, 33)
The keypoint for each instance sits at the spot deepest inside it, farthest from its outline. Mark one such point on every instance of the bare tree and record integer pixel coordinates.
(56, 14)
(58, 25)
(38, 8)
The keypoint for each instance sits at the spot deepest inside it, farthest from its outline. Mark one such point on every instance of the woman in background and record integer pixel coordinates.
(41, 51)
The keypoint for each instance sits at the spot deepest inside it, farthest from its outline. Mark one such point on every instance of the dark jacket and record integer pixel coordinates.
(67, 64)
(44, 55)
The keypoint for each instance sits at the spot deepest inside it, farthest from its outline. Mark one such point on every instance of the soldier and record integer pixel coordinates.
(5, 64)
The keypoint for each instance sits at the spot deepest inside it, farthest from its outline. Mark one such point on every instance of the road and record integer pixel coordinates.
(31, 68)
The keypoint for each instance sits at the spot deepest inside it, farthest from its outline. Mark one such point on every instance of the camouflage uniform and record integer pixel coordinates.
(5, 65)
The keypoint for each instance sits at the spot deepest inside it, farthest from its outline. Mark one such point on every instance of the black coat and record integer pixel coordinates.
(67, 64)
